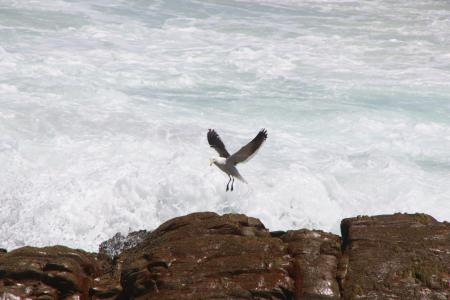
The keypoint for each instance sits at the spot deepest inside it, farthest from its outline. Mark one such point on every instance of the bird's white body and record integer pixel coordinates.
(227, 167)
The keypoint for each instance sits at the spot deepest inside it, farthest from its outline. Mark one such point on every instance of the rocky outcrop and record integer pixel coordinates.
(208, 256)
(396, 257)
(47, 273)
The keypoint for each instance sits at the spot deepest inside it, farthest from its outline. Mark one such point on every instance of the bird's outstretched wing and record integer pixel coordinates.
(249, 150)
(216, 143)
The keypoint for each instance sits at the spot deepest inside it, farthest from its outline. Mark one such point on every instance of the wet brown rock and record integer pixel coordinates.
(47, 273)
(316, 255)
(207, 256)
(107, 285)
(397, 256)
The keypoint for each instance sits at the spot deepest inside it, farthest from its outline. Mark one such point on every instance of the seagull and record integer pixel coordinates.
(226, 162)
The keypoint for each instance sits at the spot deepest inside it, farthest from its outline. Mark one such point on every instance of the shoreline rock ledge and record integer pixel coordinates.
(233, 256)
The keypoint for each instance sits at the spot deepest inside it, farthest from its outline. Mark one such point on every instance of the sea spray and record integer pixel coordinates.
(104, 109)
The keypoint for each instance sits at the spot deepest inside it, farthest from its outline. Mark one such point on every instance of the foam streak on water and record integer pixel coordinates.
(104, 108)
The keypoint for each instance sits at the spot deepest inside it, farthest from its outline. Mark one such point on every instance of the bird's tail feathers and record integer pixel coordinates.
(241, 178)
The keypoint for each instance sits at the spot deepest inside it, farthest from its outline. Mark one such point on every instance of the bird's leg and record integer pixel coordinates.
(229, 183)
(232, 183)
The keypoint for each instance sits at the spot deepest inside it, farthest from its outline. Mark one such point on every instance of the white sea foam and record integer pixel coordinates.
(104, 108)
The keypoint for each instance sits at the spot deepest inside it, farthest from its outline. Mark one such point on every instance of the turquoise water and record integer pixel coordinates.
(105, 105)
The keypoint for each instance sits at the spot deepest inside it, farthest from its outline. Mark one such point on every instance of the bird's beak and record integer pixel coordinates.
(210, 162)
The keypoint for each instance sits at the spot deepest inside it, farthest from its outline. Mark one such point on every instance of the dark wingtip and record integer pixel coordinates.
(263, 131)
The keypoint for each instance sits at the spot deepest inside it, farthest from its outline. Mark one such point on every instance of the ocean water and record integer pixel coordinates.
(105, 105)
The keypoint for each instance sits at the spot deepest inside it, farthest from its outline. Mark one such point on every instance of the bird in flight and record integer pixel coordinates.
(226, 162)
